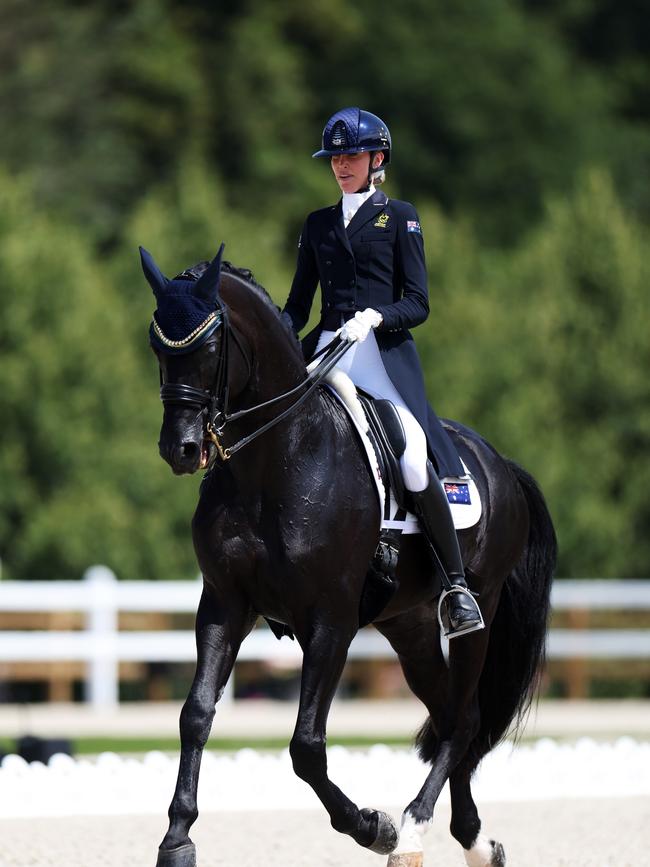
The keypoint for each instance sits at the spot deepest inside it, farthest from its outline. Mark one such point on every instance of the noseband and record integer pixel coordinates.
(213, 403)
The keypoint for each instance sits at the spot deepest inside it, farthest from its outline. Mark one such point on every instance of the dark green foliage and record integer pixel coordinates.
(97, 100)
(522, 133)
(81, 480)
(492, 104)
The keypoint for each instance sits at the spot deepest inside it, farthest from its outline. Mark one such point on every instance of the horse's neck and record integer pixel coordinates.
(277, 367)
(276, 362)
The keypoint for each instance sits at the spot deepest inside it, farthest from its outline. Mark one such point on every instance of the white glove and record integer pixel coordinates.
(357, 329)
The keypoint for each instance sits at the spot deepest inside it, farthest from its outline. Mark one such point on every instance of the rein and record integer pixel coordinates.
(214, 402)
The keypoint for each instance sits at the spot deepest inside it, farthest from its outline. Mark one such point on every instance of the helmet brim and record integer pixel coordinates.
(333, 153)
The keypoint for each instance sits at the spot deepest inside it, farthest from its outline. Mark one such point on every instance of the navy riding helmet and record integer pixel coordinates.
(353, 130)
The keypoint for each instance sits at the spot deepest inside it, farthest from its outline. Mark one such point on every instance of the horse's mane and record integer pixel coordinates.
(247, 276)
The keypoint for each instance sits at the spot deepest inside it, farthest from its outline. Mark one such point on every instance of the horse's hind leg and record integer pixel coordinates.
(479, 850)
(219, 632)
(451, 698)
(325, 653)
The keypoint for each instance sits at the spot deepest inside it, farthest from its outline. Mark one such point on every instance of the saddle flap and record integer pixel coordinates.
(393, 426)
(389, 440)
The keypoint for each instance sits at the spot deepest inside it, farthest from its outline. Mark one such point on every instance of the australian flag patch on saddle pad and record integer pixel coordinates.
(458, 492)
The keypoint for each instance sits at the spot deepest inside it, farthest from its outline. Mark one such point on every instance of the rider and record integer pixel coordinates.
(367, 252)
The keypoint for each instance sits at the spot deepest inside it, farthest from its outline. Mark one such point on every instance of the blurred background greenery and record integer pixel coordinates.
(521, 132)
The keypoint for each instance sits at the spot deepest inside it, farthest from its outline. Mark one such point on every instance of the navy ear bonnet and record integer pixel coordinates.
(179, 311)
(188, 309)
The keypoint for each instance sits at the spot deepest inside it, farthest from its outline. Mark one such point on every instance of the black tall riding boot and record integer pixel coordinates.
(432, 507)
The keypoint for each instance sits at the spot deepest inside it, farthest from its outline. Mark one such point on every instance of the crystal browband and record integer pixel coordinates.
(191, 337)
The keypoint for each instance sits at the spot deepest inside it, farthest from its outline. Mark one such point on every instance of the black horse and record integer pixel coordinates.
(287, 528)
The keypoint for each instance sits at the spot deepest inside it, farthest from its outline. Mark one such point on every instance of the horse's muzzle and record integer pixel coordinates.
(184, 458)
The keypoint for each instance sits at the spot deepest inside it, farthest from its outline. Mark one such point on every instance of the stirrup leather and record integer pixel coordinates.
(446, 630)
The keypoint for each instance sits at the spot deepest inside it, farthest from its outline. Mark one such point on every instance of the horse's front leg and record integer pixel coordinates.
(324, 657)
(220, 629)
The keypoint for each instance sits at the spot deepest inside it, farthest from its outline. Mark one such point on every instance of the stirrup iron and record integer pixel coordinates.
(446, 630)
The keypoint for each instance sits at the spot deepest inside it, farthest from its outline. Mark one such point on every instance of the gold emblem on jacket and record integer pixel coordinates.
(382, 221)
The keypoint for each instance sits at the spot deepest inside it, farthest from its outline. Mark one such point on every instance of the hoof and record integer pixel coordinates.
(182, 856)
(499, 854)
(387, 835)
(485, 853)
(406, 859)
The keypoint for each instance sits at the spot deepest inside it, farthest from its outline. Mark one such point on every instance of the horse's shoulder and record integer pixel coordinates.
(332, 407)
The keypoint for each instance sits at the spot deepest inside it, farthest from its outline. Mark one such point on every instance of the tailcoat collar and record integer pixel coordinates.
(339, 229)
(369, 210)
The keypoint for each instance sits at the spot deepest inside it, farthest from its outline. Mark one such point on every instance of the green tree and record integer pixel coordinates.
(545, 353)
(79, 470)
(100, 101)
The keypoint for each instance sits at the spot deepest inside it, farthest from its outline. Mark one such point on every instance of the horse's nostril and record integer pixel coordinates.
(189, 451)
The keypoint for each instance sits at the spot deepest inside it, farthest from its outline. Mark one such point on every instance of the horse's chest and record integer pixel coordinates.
(227, 547)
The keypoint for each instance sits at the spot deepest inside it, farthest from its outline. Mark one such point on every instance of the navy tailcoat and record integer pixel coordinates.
(378, 262)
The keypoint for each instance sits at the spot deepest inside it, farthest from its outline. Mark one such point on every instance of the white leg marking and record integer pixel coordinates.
(480, 855)
(410, 835)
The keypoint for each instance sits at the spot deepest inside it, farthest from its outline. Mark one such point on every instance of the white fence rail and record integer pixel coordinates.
(100, 597)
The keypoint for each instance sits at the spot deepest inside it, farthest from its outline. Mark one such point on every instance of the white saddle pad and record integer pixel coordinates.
(462, 493)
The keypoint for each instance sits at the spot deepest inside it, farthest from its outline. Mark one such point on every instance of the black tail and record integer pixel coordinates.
(516, 650)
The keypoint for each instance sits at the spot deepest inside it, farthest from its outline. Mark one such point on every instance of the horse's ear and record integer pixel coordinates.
(152, 272)
(207, 286)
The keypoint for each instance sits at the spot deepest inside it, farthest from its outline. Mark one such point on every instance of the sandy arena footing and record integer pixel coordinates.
(566, 833)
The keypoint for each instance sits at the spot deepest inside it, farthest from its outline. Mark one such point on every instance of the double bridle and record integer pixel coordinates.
(213, 403)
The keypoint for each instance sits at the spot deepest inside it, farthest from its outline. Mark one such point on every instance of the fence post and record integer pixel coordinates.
(577, 668)
(102, 678)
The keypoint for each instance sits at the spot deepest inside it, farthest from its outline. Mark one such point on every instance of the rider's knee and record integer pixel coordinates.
(414, 472)
(414, 460)
(414, 464)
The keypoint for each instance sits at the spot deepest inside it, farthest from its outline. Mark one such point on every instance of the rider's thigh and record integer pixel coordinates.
(414, 460)
(367, 371)
(345, 364)
(364, 366)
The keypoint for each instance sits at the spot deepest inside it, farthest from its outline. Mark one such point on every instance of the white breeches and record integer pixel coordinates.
(363, 364)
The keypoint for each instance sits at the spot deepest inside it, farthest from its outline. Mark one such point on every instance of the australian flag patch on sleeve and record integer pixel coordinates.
(457, 492)
(413, 226)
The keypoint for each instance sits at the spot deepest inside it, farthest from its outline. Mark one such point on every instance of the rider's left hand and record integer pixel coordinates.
(357, 329)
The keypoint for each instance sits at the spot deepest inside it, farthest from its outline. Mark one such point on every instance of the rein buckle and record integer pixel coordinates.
(224, 454)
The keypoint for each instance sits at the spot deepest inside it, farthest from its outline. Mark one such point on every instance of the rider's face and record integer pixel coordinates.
(351, 170)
